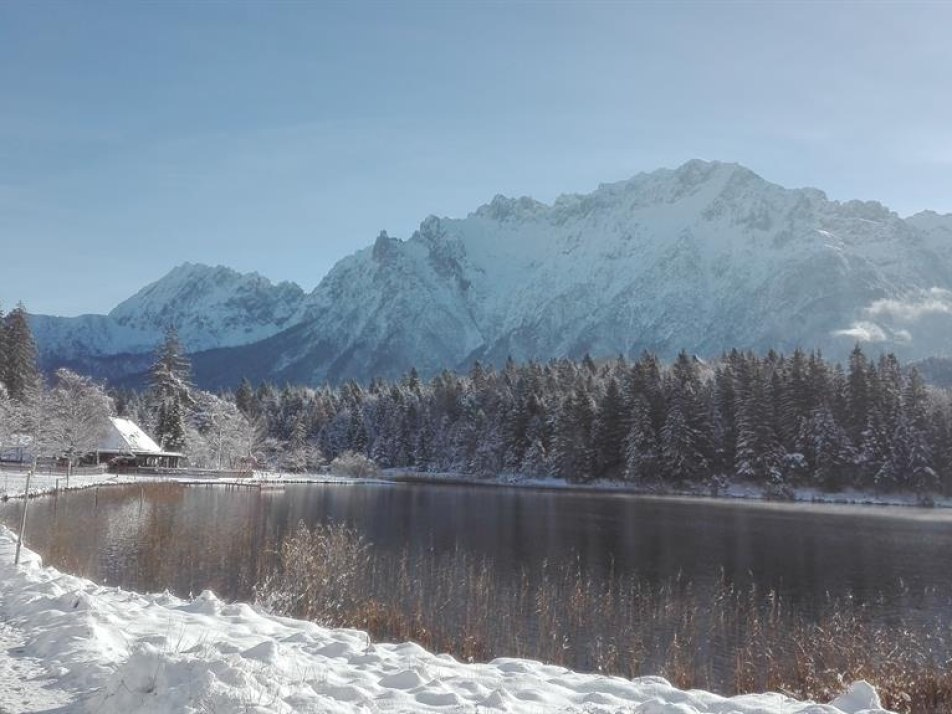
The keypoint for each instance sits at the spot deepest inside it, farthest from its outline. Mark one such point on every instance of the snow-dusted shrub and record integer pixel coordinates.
(351, 463)
(319, 574)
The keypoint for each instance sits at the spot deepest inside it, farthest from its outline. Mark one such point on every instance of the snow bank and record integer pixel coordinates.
(107, 651)
(12, 483)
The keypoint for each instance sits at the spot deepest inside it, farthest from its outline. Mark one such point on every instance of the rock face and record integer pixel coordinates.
(705, 257)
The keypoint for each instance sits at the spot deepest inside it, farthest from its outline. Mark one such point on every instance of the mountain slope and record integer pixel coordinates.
(705, 257)
(209, 306)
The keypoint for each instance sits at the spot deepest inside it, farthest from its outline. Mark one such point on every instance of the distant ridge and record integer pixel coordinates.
(705, 257)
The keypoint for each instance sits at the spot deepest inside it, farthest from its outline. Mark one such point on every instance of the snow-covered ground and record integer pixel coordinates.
(68, 645)
(13, 483)
(732, 491)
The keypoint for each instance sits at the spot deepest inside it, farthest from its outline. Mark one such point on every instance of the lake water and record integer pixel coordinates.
(889, 564)
(186, 539)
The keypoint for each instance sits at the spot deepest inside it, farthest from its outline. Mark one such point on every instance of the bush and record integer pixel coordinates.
(318, 574)
(351, 463)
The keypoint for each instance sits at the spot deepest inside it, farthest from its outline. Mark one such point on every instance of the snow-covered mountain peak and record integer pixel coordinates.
(930, 220)
(211, 306)
(196, 285)
(705, 256)
(502, 208)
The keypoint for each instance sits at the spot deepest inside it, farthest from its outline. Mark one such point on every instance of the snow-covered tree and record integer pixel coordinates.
(222, 436)
(759, 454)
(827, 447)
(642, 447)
(21, 375)
(301, 455)
(171, 393)
(78, 412)
(608, 437)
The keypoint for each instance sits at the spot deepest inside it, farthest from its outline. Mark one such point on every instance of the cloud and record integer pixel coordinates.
(863, 332)
(935, 301)
(902, 321)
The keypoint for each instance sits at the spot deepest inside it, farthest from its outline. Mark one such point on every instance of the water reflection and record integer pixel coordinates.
(188, 539)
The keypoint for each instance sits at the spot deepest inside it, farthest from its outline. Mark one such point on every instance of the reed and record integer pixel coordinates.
(722, 636)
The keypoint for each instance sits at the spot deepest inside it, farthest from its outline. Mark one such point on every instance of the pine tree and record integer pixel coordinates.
(574, 457)
(609, 432)
(21, 373)
(759, 453)
(245, 398)
(642, 447)
(827, 448)
(796, 402)
(299, 453)
(857, 394)
(171, 393)
(681, 451)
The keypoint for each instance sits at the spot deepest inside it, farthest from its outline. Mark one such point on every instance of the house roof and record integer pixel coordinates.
(125, 436)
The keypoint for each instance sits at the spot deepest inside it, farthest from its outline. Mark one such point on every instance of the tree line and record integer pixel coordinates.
(775, 420)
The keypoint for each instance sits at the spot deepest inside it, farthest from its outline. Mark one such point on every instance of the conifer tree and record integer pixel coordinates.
(759, 453)
(244, 398)
(642, 446)
(827, 448)
(171, 393)
(857, 394)
(21, 373)
(681, 454)
(609, 432)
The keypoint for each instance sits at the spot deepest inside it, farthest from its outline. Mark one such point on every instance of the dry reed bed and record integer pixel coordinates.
(725, 638)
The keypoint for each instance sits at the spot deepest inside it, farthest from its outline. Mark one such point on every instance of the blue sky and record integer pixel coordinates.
(279, 137)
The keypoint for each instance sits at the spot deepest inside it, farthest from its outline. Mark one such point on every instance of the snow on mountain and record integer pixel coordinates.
(209, 306)
(705, 257)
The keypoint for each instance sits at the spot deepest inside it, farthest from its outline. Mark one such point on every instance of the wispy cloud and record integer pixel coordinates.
(935, 301)
(896, 320)
(863, 332)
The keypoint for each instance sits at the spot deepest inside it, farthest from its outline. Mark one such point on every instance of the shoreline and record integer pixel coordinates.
(53, 484)
(88, 648)
(731, 493)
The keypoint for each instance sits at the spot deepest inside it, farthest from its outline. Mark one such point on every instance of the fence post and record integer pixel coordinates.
(26, 502)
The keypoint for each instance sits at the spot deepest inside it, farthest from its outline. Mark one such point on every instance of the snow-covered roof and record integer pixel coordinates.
(126, 436)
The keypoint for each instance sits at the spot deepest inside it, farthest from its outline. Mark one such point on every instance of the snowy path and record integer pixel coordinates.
(25, 685)
(70, 646)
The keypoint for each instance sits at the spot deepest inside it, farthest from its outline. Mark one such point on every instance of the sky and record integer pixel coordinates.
(280, 137)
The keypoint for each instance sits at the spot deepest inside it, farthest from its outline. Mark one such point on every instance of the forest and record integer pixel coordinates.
(775, 420)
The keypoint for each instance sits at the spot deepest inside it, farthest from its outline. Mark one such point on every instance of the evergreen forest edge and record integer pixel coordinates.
(774, 420)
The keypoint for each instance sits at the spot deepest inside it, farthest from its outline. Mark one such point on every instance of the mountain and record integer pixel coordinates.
(209, 306)
(704, 257)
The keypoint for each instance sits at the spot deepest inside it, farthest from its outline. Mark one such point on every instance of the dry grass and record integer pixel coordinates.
(724, 638)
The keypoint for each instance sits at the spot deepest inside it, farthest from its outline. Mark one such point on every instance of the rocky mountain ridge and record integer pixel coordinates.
(705, 257)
